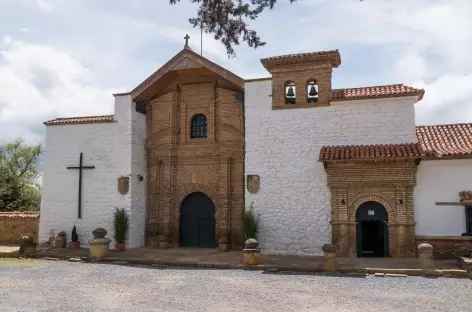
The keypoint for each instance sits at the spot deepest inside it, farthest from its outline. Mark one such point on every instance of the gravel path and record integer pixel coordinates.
(64, 286)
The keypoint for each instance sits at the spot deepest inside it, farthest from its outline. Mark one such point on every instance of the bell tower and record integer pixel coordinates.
(302, 80)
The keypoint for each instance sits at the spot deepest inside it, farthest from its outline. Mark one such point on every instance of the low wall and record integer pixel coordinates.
(14, 225)
(446, 246)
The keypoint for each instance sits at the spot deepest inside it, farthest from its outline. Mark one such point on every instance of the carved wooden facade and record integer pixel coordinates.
(178, 164)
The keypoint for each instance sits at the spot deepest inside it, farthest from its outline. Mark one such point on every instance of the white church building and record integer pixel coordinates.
(194, 143)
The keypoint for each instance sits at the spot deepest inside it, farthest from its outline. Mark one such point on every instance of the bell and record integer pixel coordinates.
(313, 91)
(290, 92)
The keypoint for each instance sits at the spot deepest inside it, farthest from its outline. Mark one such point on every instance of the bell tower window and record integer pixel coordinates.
(198, 126)
(290, 93)
(312, 91)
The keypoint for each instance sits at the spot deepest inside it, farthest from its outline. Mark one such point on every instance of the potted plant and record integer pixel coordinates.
(75, 243)
(120, 226)
(250, 223)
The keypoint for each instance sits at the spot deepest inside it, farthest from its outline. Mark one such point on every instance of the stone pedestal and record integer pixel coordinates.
(61, 240)
(329, 254)
(223, 244)
(163, 242)
(99, 245)
(28, 246)
(252, 252)
(425, 255)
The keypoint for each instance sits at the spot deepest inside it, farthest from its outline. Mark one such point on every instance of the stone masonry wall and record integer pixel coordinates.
(282, 147)
(446, 246)
(15, 225)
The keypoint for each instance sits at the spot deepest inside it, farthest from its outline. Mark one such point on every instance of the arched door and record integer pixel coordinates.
(197, 221)
(372, 230)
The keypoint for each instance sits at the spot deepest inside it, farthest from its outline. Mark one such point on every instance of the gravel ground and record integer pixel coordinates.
(35, 285)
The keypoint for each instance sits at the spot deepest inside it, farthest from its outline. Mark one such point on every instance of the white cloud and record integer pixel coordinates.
(45, 5)
(39, 82)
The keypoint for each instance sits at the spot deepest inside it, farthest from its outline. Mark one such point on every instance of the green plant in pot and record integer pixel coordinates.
(250, 222)
(121, 227)
(75, 243)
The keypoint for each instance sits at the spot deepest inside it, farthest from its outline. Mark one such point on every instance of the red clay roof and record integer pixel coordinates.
(370, 152)
(453, 140)
(333, 56)
(465, 195)
(385, 91)
(80, 120)
(19, 214)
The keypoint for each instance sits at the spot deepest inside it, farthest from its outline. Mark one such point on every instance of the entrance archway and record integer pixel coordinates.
(372, 230)
(197, 221)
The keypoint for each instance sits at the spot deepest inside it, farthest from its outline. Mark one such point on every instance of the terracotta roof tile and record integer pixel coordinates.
(370, 152)
(333, 56)
(19, 214)
(80, 120)
(446, 140)
(385, 91)
(465, 195)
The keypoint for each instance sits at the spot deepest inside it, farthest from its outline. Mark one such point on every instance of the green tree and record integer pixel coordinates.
(226, 20)
(18, 174)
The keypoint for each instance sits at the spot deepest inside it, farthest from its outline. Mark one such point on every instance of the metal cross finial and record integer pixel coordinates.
(187, 37)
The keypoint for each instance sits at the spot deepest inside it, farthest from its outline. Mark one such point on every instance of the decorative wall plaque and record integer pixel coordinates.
(253, 183)
(123, 185)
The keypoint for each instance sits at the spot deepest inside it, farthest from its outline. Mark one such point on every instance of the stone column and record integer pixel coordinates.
(400, 241)
(329, 254)
(252, 252)
(61, 240)
(425, 254)
(343, 236)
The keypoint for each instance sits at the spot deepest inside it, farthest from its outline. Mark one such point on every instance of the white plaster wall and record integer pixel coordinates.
(138, 188)
(441, 181)
(108, 147)
(282, 146)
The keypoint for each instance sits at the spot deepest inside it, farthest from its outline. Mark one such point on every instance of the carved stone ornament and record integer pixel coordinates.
(123, 185)
(253, 183)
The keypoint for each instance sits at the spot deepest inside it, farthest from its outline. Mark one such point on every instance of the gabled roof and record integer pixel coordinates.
(187, 59)
(79, 120)
(385, 91)
(438, 141)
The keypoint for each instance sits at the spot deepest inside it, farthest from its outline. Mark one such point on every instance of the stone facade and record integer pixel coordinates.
(388, 183)
(283, 146)
(179, 165)
(446, 246)
(15, 225)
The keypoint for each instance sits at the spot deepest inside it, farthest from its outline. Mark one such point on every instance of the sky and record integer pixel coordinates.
(61, 58)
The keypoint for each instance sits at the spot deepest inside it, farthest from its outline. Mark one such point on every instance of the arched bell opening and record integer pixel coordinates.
(290, 92)
(312, 91)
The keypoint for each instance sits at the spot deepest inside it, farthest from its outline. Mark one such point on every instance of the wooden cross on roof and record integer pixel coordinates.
(187, 37)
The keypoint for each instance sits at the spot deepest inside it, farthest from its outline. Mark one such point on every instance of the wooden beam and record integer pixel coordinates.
(451, 204)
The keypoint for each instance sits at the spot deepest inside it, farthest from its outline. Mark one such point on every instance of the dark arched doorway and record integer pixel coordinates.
(197, 221)
(372, 230)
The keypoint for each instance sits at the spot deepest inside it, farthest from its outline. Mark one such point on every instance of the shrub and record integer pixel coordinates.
(250, 222)
(74, 237)
(120, 225)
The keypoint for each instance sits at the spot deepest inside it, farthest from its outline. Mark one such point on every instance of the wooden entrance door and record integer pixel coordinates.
(372, 230)
(197, 222)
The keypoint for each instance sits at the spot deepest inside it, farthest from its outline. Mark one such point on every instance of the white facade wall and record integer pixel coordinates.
(441, 181)
(282, 147)
(108, 147)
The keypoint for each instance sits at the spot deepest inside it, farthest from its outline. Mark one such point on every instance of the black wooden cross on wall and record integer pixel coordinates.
(80, 167)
